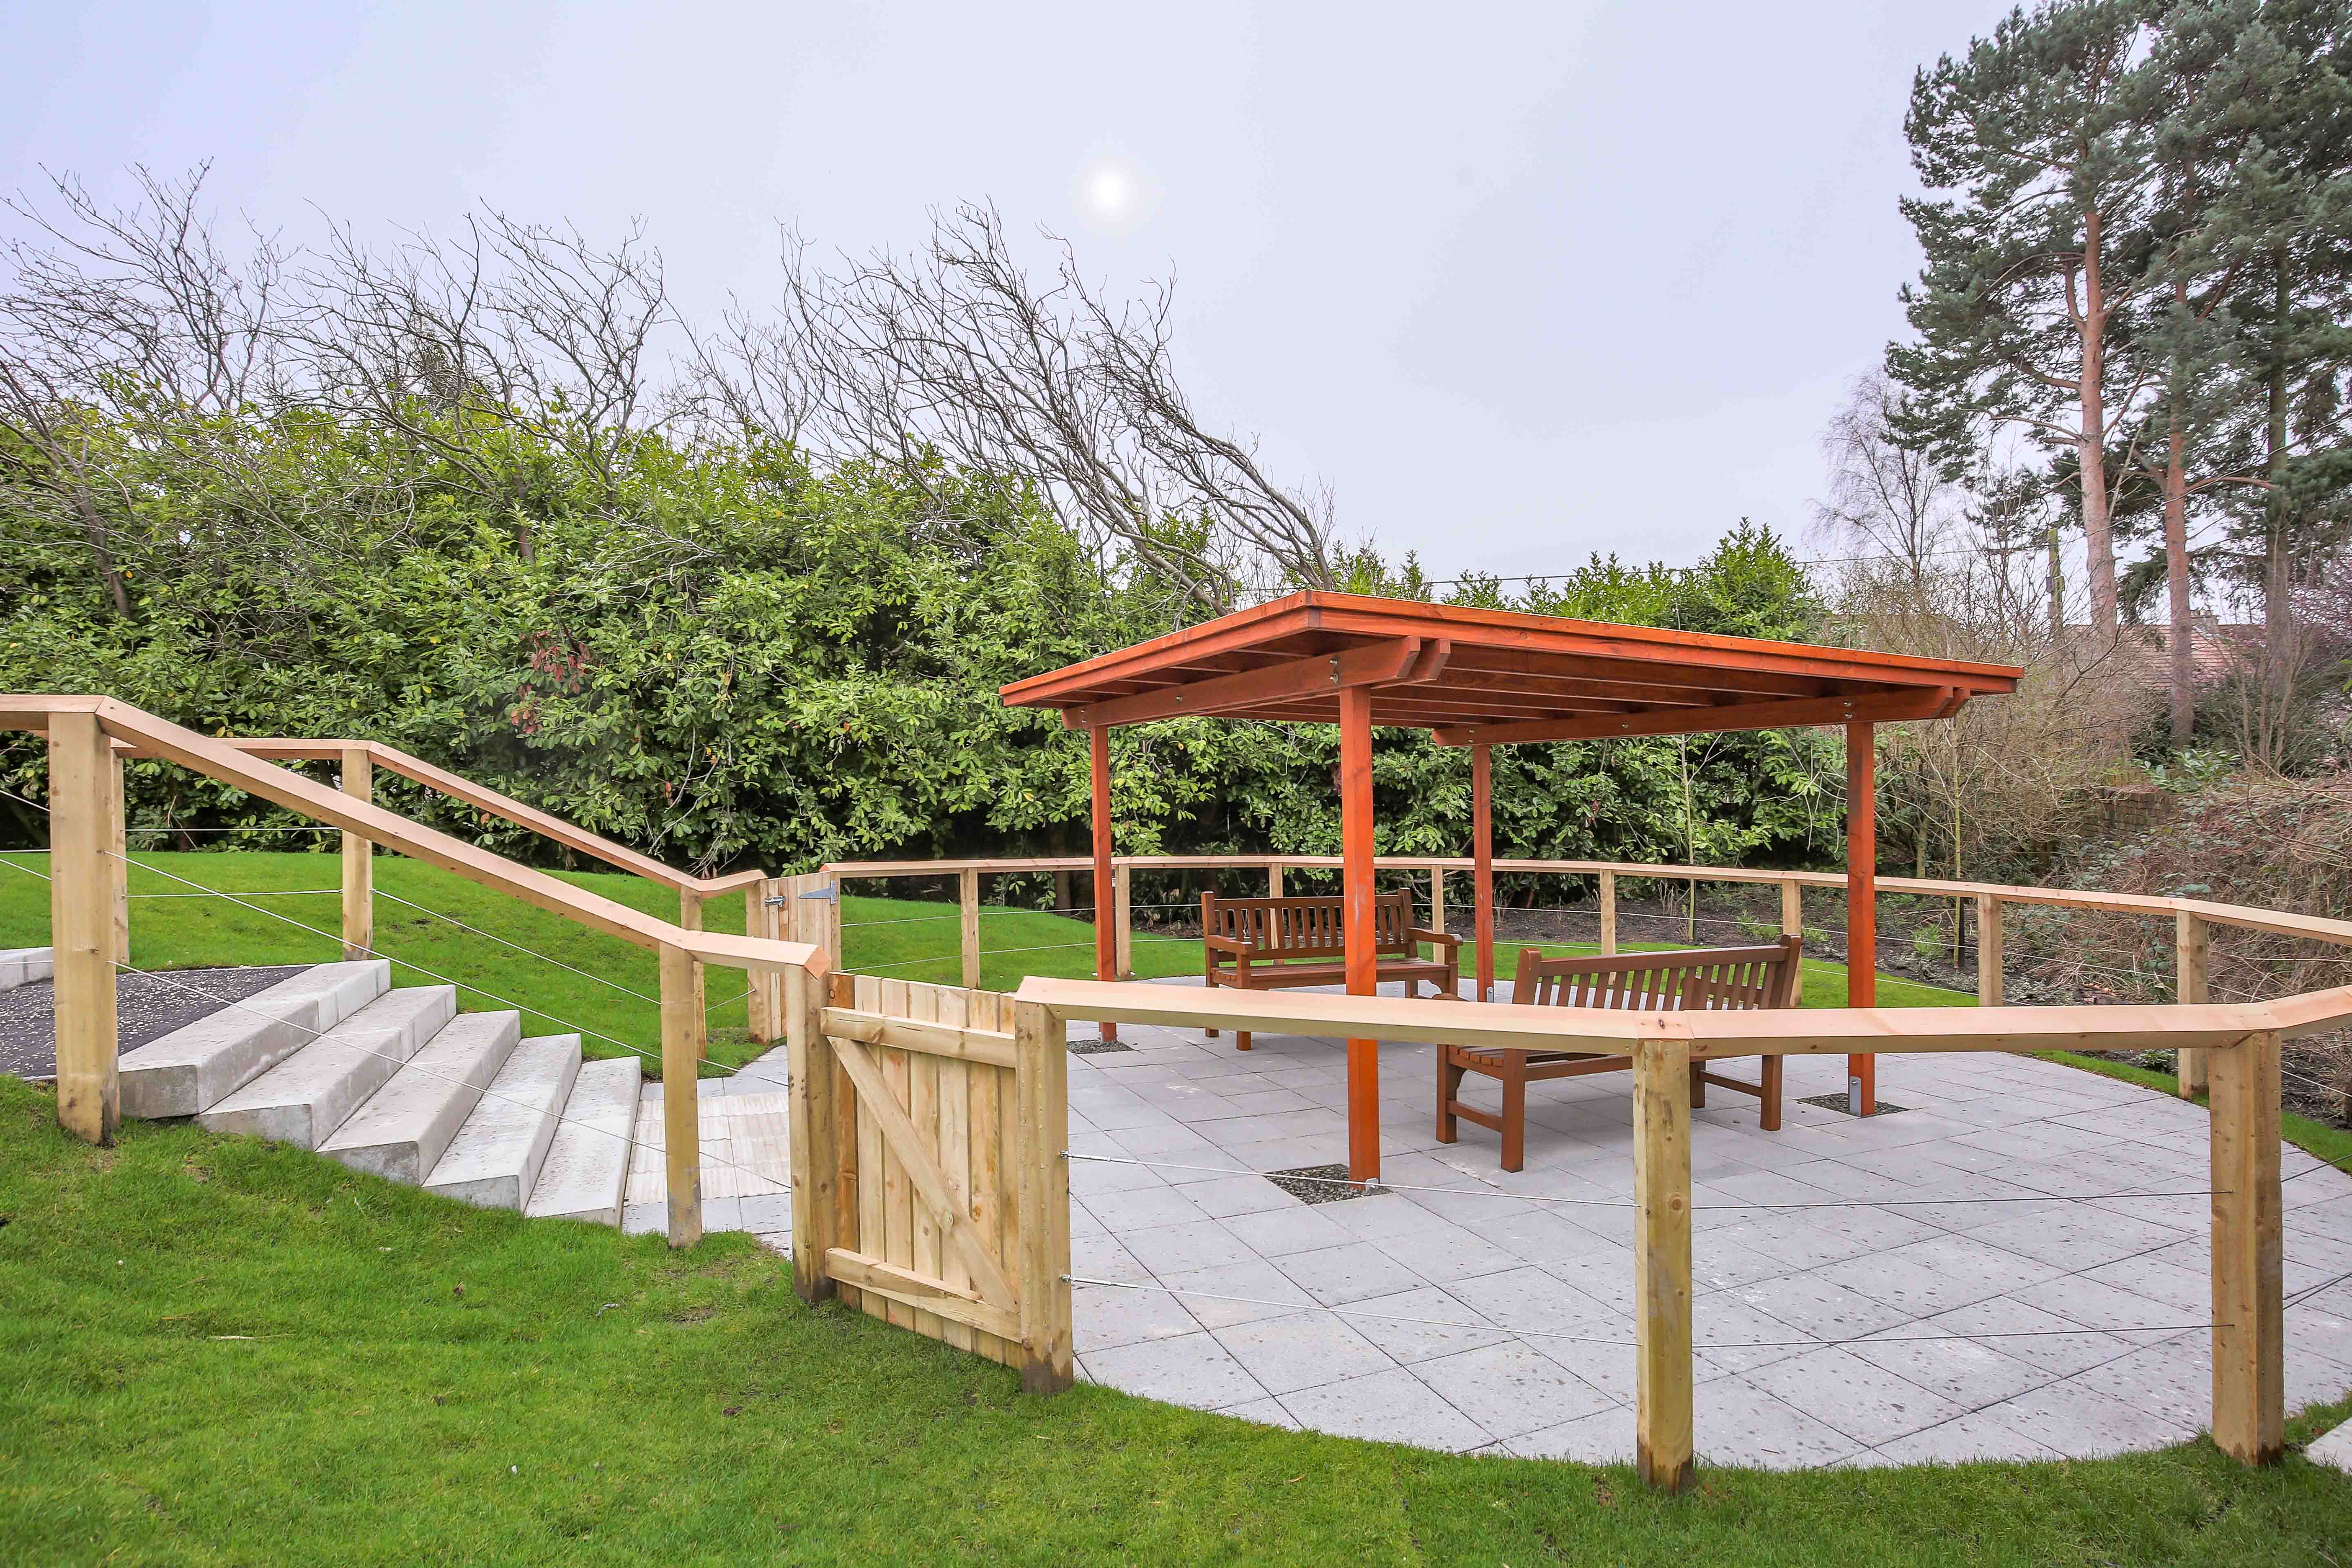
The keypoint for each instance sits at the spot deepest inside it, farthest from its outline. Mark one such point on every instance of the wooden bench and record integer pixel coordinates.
(1626, 981)
(1267, 944)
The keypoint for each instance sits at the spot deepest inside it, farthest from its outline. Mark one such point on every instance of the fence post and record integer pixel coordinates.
(1437, 899)
(689, 918)
(2192, 951)
(814, 1133)
(1792, 909)
(1123, 928)
(1608, 912)
(682, 1049)
(118, 840)
(83, 879)
(1987, 950)
(968, 896)
(1662, 1262)
(763, 987)
(1041, 1089)
(1273, 880)
(2249, 1320)
(358, 780)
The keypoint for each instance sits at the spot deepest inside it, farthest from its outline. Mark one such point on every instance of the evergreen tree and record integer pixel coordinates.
(2290, 306)
(2035, 147)
(2212, 63)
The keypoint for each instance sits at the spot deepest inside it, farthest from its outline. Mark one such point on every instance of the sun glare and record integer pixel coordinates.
(1114, 194)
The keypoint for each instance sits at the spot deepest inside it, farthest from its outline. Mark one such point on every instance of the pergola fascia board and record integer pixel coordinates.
(1550, 656)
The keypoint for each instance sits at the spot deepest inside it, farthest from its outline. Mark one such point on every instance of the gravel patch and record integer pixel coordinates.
(147, 1008)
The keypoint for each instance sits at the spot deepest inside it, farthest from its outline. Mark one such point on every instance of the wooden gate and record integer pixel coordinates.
(930, 1186)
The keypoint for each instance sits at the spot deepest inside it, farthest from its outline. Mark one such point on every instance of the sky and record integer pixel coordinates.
(1518, 283)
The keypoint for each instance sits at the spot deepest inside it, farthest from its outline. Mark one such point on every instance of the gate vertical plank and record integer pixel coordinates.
(897, 1192)
(923, 1106)
(873, 1173)
(815, 1162)
(842, 990)
(1662, 1262)
(2249, 1332)
(989, 1174)
(954, 1151)
(81, 926)
(1608, 897)
(1792, 909)
(1042, 1092)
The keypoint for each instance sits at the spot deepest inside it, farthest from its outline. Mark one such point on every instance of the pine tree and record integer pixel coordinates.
(2036, 146)
(2290, 308)
(2212, 64)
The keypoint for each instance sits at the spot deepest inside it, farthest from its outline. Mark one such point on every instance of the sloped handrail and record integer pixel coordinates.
(416, 770)
(233, 764)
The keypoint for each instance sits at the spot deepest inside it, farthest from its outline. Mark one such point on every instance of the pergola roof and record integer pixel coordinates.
(1478, 675)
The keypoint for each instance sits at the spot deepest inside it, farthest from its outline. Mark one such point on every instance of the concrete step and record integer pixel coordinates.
(192, 1069)
(587, 1166)
(23, 965)
(402, 1131)
(494, 1161)
(305, 1098)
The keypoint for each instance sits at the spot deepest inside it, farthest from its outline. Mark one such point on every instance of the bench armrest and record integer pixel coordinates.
(1232, 944)
(1435, 938)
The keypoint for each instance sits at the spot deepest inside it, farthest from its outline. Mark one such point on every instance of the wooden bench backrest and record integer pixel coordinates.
(1305, 928)
(1711, 978)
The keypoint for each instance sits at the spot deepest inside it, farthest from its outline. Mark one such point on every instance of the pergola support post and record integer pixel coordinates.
(1356, 932)
(1106, 928)
(1861, 903)
(1482, 865)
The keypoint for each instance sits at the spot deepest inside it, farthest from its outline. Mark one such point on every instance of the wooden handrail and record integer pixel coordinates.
(1813, 1031)
(2241, 1042)
(2278, 922)
(482, 798)
(230, 763)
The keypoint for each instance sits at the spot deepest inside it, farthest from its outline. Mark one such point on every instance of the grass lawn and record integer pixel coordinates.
(567, 977)
(222, 1352)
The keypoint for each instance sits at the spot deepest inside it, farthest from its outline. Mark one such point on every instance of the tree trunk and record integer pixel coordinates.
(2090, 442)
(2057, 592)
(2278, 625)
(2175, 582)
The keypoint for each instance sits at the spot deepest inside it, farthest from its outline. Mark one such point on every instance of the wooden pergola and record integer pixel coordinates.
(1480, 678)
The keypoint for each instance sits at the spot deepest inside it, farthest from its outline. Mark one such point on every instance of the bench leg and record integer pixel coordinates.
(1770, 1119)
(1698, 1086)
(1449, 1089)
(1515, 1118)
(1209, 981)
(1241, 1039)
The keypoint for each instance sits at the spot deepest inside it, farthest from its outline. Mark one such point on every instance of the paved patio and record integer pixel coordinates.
(1963, 1295)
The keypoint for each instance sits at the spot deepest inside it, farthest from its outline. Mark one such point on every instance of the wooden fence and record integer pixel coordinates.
(930, 1183)
(2241, 1044)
